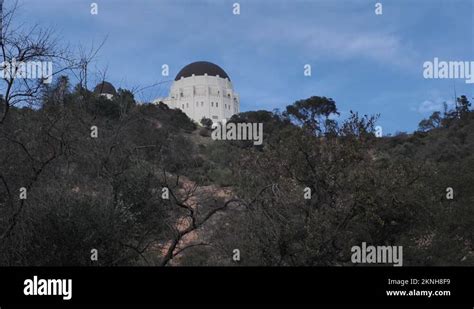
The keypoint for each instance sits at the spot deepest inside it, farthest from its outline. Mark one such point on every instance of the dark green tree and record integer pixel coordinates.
(206, 123)
(313, 114)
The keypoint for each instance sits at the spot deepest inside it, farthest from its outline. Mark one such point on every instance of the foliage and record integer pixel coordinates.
(105, 193)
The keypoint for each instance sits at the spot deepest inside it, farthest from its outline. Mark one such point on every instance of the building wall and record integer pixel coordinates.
(204, 96)
(107, 95)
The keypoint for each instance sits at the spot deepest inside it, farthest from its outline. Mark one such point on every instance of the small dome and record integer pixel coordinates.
(105, 88)
(200, 68)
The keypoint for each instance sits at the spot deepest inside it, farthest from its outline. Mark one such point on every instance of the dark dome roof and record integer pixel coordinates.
(201, 68)
(105, 87)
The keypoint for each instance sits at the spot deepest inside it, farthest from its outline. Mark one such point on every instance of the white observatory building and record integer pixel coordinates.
(203, 89)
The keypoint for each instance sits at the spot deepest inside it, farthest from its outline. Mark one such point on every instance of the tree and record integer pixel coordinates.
(206, 123)
(461, 111)
(433, 122)
(124, 100)
(20, 49)
(463, 106)
(57, 93)
(313, 114)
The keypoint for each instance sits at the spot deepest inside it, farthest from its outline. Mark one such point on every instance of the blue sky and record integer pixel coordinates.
(366, 62)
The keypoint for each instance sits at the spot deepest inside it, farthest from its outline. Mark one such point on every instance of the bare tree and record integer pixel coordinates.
(33, 48)
(191, 202)
(86, 57)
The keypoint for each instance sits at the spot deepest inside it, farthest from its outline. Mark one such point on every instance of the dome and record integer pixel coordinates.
(201, 68)
(105, 88)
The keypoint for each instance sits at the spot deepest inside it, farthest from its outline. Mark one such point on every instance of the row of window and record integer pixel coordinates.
(226, 106)
(181, 94)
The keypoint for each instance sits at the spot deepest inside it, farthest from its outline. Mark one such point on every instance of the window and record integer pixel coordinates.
(197, 103)
(217, 104)
(202, 103)
(182, 105)
(187, 105)
(212, 104)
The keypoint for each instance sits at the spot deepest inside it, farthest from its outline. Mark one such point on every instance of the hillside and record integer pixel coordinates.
(152, 188)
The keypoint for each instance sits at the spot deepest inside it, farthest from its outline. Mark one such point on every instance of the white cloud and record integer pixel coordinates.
(429, 106)
(353, 41)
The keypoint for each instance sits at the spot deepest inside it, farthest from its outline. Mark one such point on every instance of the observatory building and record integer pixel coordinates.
(105, 89)
(203, 89)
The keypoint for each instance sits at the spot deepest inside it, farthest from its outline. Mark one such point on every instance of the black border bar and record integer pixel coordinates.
(240, 285)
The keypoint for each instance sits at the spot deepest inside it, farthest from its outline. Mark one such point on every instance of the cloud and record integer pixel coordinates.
(429, 106)
(322, 40)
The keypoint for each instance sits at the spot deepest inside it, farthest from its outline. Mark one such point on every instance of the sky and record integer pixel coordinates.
(369, 63)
